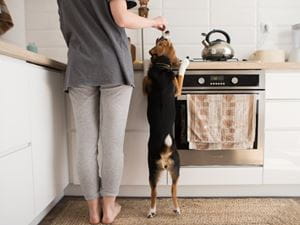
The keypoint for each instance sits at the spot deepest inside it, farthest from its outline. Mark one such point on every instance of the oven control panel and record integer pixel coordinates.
(219, 80)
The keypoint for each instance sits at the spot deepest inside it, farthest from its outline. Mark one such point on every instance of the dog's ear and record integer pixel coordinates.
(147, 85)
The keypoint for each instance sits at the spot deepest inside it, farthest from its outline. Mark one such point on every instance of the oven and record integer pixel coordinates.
(213, 86)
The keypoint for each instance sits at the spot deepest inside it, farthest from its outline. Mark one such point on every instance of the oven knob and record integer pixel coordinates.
(201, 80)
(234, 80)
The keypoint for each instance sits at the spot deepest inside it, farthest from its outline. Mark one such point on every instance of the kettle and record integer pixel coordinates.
(217, 50)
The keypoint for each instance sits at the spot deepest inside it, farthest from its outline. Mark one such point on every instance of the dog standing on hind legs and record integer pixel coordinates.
(161, 86)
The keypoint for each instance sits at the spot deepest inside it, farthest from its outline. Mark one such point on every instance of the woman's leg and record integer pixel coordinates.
(85, 105)
(114, 107)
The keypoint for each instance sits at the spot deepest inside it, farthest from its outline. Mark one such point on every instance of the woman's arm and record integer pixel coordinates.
(127, 19)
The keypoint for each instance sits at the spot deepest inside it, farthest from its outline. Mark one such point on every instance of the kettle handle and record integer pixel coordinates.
(218, 31)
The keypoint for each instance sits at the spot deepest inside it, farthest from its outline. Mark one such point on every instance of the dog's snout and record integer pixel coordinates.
(152, 51)
(166, 166)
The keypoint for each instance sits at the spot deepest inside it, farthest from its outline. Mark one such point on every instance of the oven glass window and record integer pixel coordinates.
(219, 123)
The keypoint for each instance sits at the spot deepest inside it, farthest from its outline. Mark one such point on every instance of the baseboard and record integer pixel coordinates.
(52, 204)
(204, 191)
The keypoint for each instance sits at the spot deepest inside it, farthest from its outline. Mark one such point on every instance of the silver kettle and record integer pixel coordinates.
(217, 50)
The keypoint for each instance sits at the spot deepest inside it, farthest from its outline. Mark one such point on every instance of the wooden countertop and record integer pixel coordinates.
(19, 53)
(22, 54)
(253, 65)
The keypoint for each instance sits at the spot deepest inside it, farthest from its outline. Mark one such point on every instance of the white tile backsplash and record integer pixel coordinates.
(184, 5)
(187, 18)
(243, 17)
(42, 21)
(46, 38)
(186, 21)
(279, 16)
(234, 4)
(283, 4)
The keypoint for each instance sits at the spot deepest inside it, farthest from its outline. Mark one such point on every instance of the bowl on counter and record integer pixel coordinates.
(268, 56)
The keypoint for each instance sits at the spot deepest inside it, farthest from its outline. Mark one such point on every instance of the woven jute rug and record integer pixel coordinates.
(199, 211)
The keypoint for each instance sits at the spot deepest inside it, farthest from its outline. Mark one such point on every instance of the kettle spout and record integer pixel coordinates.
(205, 43)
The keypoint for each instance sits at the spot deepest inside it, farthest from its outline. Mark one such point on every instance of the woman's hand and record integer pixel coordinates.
(127, 19)
(160, 23)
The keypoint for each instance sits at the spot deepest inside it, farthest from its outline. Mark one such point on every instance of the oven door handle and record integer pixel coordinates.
(184, 95)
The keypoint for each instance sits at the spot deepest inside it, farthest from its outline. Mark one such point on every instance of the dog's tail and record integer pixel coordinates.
(168, 140)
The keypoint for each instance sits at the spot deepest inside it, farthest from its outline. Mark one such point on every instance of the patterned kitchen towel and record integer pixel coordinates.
(5, 19)
(221, 122)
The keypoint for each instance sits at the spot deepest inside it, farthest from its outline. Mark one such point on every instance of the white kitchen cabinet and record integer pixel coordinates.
(219, 176)
(282, 129)
(137, 116)
(135, 160)
(14, 106)
(282, 157)
(16, 188)
(48, 128)
(282, 114)
(282, 85)
(33, 143)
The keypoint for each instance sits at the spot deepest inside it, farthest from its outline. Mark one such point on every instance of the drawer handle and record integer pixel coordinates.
(15, 149)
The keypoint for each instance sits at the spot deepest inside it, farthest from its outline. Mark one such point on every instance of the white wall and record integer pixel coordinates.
(187, 20)
(16, 35)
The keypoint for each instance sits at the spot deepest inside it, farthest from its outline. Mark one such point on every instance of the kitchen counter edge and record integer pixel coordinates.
(14, 51)
(244, 65)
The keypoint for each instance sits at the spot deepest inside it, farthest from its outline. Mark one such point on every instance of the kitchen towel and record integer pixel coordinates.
(221, 121)
(5, 19)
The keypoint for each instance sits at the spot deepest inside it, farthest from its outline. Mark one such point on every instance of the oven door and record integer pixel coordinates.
(238, 157)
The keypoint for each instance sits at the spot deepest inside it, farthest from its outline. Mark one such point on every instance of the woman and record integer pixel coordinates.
(99, 80)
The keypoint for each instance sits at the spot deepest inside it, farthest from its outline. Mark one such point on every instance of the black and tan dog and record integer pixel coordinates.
(161, 85)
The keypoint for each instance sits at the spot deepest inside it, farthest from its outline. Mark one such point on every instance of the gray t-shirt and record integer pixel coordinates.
(98, 48)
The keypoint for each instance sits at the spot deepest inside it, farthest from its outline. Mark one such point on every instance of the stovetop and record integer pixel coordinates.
(204, 60)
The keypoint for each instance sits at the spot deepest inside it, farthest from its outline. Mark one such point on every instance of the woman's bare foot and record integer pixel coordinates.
(111, 209)
(94, 210)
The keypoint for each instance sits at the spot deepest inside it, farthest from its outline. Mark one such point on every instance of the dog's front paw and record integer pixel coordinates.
(152, 213)
(177, 211)
(183, 66)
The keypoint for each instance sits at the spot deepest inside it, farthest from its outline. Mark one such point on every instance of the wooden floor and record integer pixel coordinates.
(61, 204)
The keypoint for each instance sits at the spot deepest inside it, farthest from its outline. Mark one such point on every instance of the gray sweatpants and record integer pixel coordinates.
(100, 115)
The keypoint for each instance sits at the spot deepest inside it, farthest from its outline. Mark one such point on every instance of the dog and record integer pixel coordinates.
(161, 86)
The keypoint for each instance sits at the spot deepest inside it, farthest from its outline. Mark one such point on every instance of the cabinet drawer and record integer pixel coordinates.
(16, 188)
(282, 157)
(283, 85)
(220, 176)
(282, 114)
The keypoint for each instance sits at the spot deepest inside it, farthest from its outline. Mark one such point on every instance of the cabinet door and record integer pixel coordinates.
(14, 106)
(137, 117)
(16, 188)
(282, 114)
(282, 157)
(281, 85)
(135, 160)
(49, 135)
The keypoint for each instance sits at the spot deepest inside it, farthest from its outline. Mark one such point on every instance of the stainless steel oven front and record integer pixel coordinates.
(221, 82)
